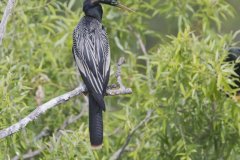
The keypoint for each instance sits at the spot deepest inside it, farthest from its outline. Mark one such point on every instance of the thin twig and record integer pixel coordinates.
(44, 133)
(120, 151)
(121, 88)
(139, 40)
(121, 61)
(28, 155)
(68, 121)
(142, 45)
(6, 14)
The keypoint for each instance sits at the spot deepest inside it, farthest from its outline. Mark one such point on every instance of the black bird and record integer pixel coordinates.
(92, 55)
(233, 55)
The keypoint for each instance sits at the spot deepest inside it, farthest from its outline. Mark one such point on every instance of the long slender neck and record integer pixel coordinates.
(93, 10)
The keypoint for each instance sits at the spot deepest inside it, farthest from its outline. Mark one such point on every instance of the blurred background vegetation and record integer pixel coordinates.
(174, 50)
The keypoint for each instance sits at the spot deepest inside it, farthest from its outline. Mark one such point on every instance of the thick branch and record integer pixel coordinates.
(52, 103)
(4, 20)
(120, 151)
(40, 110)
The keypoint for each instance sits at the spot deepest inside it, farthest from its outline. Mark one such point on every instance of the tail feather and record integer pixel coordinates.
(95, 123)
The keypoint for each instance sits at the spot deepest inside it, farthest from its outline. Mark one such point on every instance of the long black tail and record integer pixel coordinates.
(95, 123)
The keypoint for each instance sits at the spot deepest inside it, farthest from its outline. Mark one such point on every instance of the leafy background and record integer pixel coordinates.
(174, 50)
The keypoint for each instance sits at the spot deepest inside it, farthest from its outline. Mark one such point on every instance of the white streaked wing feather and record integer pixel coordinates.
(93, 42)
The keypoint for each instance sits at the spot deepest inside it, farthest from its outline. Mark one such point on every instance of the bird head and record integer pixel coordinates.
(94, 9)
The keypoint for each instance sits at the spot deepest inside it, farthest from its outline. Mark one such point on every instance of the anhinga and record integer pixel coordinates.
(92, 55)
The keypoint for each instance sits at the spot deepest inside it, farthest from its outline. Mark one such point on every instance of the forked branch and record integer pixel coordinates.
(111, 91)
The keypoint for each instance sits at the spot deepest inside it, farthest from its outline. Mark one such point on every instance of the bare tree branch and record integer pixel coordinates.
(40, 110)
(6, 14)
(52, 103)
(28, 155)
(111, 91)
(120, 151)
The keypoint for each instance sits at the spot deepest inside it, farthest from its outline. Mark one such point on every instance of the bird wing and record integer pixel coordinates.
(92, 55)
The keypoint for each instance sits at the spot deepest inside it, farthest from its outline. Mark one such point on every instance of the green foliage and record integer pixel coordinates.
(181, 77)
